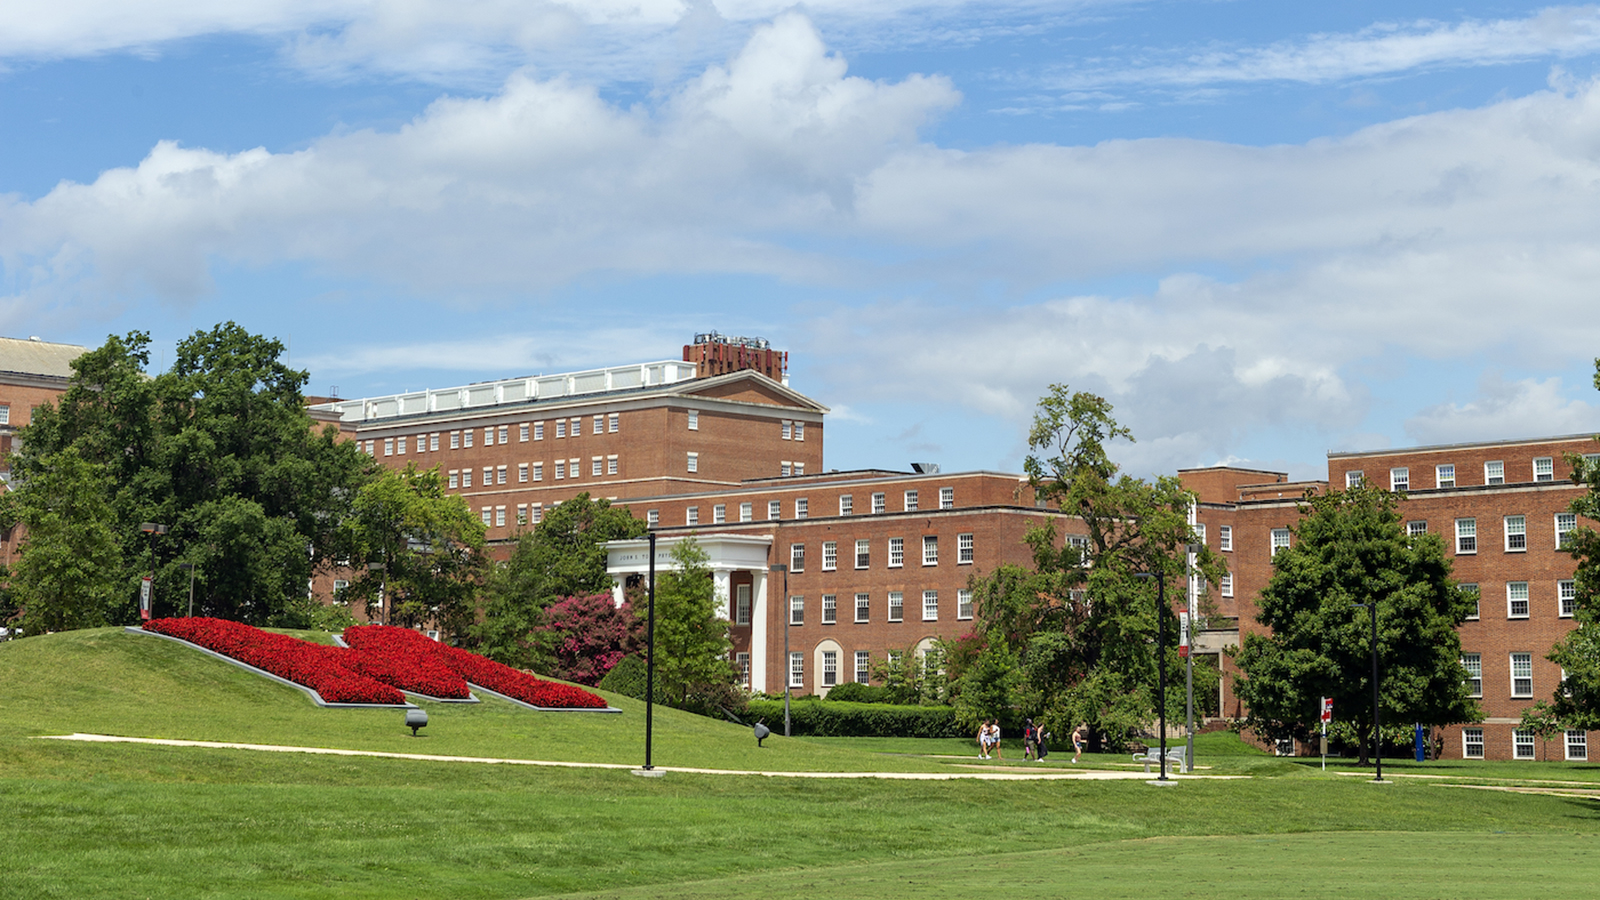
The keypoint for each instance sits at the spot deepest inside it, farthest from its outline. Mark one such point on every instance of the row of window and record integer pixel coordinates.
(1518, 603)
(1521, 667)
(492, 435)
(1515, 532)
(802, 505)
(527, 514)
(830, 668)
(563, 469)
(1522, 743)
(965, 553)
(894, 608)
(1444, 475)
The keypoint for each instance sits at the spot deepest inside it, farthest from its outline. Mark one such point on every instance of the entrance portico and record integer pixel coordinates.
(737, 562)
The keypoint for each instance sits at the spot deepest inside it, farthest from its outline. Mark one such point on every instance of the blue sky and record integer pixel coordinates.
(1263, 230)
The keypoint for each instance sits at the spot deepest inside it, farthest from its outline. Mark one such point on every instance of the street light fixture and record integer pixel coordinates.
(1161, 662)
(147, 591)
(788, 616)
(1377, 721)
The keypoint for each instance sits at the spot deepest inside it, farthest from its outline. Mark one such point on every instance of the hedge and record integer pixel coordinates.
(832, 718)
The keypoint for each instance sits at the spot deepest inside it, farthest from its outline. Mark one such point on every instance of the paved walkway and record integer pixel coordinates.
(980, 773)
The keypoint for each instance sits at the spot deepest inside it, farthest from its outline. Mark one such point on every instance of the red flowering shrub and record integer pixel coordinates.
(589, 635)
(405, 659)
(326, 670)
(479, 670)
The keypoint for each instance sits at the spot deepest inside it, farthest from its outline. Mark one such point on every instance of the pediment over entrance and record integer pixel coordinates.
(750, 387)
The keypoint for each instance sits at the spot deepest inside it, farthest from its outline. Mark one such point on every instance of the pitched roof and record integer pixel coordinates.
(39, 358)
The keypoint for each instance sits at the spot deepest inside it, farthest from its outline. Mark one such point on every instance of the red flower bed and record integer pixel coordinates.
(479, 670)
(326, 670)
(405, 659)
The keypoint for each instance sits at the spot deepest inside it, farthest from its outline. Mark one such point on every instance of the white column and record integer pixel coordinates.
(616, 590)
(719, 578)
(758, 633)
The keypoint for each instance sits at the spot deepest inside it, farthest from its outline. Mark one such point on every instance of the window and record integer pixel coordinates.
(536, 513)
(863, 607)
(488, 436)
(930, 606)
(846, 504)
(370, 450)
(502, 433)
(522, 473)
(433, 441)
(897, 552)
(522, 513)
(747, 512)
(538, 431)
(1516, 534)
(694, 462)
(1472, 743)
(930, 550)
(455, 478)
(801, 507)
(1494, 472)
(1566, 523)
(599, 424)
(788, 430)
(774, 510)
(797, 610)
(1200, 533)
(1400, 479)
(691, 515)
(522, 432)
(964, 550)
(561, 428)
(863, 554)
(400, 446)
(651, 518)
(863, 666)
(1280, 540)
(1416, 529)
(1544, 469)
(1517, 600)
(5, 414)
(830, 609)
(911, 501)
(797, 557)
(1473, 663)
(1445, 475)
(1226, 586)
(612, 423)
(466, 478)
(719, 513)
(743, 661)
(784, 469)
(1225, 538)
(830, 668)
(1472, 590)
(963, 604)
(897, 606)
(741, 605)
(1352, 479)
(466, 437)
(830, 555)
(1522, 674)
(1577, 744)
(388, 446)
(577, 426)
(1522, 743)
(561, 468)
(596, 465)
(797, 670)
(1466, 536)
(878, 503)
(487, 513)
(499, 516)
(799, 431)
(611, 464)
(500, 475)
(947, 498)
(694, 420)
(538, 471)
(1566, 597)
(455, 440)
(488, 476)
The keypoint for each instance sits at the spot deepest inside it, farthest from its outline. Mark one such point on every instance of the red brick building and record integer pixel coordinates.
(32, 373)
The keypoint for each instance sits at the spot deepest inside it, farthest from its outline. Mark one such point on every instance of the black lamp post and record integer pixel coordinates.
(650, 658)
(788, 616)
(1377, 721)
(147, 599)
(1161, 662)
(190, 567)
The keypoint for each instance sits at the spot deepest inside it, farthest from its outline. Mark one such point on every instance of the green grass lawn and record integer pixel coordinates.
(123, 820)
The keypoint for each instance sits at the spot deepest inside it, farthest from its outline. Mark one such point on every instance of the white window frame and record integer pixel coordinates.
(1444, 475)
(1577, 744)
(830, 668)
(1473, 663)
(1477, 605)
(466, 478)
(691, 515)
(499, 517)
(742, 605)
(1494, 472)
(1522, 743)
(930, 606)
(800, 431)
(897, 606)
(535, 513)
(488, 435)
(1226, 585)
(863, 666)
(599, 426)
(947, 498)
(522, 432)
(963, 605)
(742, 660)
(930, 550)
(797, 609)
(1521, 661)
(830, 556)
(694, 419)
(561, 428)
(863, 554)
(719, 513)
(1466, 537)
(466, 437)
(455, 478)
(1353, 478)
(499, 474)
(613, 422)
(502, 433)
(880, 503)
(1517, 593)
(1416, 528)
(847, 504)
(522, 473)
(964, 550)
(597, 466)
(693, 462)
(1566, 523)
(538, 431)
(774, 510)
(1400, 478)
(787, 429)
(652, 518)
(611, 464)
(561, 469)
(1516, 534)
(797, 669)
(830, 609)
(1281, 539)
(802, 507)
(747, 512)
(1544, 468)
(1472, 743)
(455, 440)
(1225, 538)
(911, 501)
(797, 557)
(1566, 598)
(388, 446)
(897, 552)
(538, 471)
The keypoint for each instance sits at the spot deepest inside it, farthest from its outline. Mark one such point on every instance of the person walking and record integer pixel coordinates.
(983, 739)
(1030, 741)
(994, 739)
(1077, 743)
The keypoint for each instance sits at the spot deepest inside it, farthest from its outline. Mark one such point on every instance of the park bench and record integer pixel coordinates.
(1175, 758)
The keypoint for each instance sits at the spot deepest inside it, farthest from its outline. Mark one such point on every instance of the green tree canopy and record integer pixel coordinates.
(68, 576)
(1576, 704)
(691, 642)
(1351, 549)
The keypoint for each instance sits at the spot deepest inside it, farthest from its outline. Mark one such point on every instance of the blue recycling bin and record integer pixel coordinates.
(1421, 744)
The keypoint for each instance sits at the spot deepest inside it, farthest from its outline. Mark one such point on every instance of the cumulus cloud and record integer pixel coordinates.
(1528, 407)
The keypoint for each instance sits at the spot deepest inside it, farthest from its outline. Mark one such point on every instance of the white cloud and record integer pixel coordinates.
(1382, 49)
(1526, 407)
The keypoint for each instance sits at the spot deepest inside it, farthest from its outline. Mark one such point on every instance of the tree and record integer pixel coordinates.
(587, 635)
(563, 556)
(429, 544)
(219, 448)
(67, 576)
(1576, 703)
(691, 642)
(1351, 549)
(1080, 622)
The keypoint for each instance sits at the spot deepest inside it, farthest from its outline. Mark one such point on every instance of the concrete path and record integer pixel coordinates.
(980, 773)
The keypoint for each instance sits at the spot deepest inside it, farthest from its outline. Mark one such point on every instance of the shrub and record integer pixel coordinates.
(833, 718)
(856, 692)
